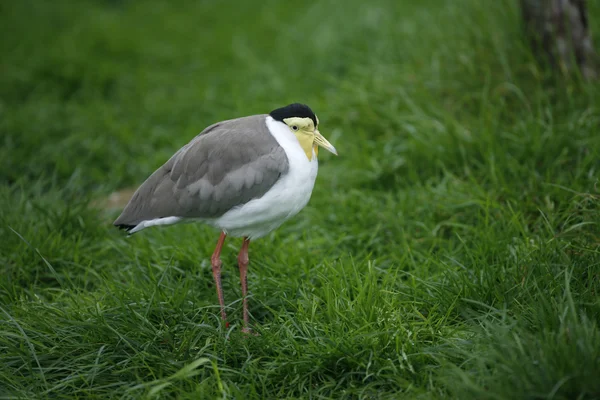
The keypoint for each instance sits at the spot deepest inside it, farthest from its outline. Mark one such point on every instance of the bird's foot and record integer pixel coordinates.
(248, 331)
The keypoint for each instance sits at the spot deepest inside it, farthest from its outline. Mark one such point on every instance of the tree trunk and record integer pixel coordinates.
(559, 32)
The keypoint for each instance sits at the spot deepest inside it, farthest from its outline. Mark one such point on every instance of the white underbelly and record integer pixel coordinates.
(286, 198)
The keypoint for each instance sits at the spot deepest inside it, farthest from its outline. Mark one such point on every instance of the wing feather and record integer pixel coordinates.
(226, 165)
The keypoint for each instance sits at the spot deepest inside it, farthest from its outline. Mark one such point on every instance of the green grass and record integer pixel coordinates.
(452, 250)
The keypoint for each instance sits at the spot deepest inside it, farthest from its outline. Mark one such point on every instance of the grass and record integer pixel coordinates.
(450, 251)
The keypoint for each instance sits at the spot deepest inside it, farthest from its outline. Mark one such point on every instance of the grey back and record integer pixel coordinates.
(226, 165)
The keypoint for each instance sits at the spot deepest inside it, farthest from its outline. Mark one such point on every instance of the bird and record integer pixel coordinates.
(244, 177)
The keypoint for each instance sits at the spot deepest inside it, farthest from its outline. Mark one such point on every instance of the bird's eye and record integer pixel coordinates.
(295, 127)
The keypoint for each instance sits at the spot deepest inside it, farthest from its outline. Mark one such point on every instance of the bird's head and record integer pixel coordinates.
(304, 124)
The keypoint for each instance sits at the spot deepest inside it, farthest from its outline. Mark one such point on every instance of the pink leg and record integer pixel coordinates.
(215, 260)
(243, 261)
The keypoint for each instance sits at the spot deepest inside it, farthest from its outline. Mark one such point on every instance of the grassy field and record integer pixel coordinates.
(451, 251)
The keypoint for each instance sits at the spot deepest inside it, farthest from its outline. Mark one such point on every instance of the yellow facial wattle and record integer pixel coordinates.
(307, 143)
(308, 136)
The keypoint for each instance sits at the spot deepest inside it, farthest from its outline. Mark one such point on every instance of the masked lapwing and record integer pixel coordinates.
(244, 176)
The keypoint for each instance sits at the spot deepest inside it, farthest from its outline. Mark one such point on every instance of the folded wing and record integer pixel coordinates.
(226, 165)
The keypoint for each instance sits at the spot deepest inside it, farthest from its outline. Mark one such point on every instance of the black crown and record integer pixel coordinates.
(294, 110)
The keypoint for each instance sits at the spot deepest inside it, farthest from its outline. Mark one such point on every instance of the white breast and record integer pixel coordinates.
(285, 199)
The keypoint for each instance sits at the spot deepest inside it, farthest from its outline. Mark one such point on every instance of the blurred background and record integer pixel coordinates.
(105, 83)
(113, 87)
(450, 251)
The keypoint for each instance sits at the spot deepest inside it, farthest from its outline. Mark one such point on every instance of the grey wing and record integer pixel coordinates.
(228, 164)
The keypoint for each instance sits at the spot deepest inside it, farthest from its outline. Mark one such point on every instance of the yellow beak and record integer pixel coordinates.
(321, 141)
